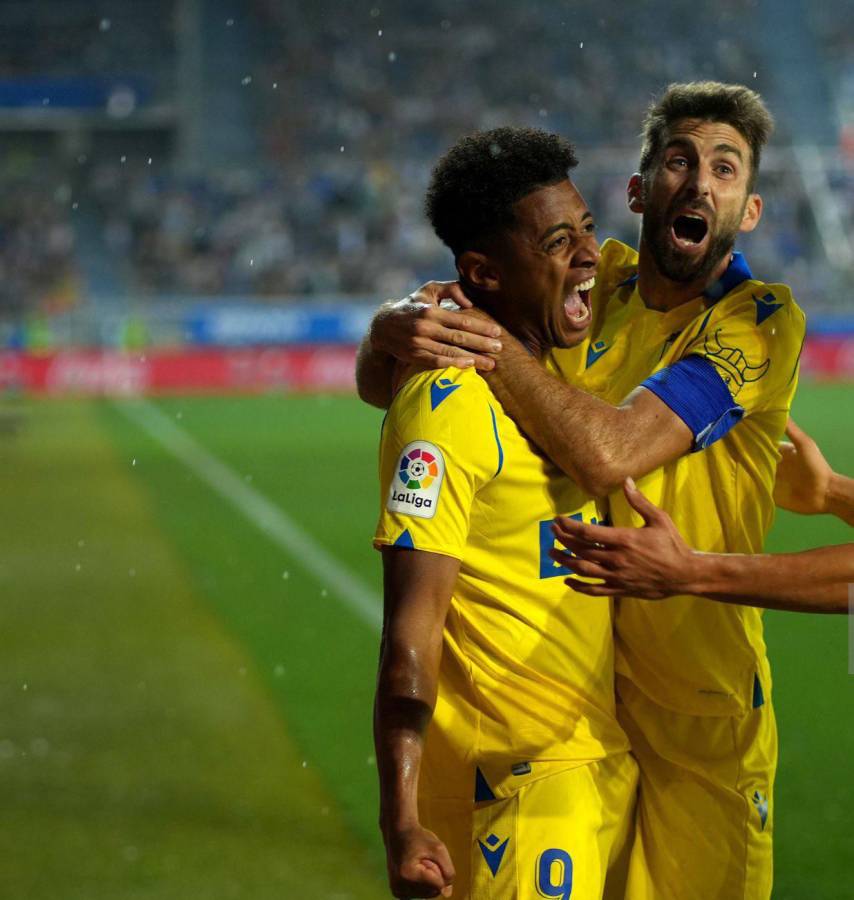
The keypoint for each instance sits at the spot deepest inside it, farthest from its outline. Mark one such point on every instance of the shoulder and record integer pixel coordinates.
(767, 308)
(440, 395)
(617, 262)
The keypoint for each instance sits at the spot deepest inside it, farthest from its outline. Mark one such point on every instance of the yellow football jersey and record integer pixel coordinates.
(727, 364)
(526, 682)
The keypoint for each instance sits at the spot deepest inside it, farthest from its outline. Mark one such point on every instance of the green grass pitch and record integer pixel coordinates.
(186, 710)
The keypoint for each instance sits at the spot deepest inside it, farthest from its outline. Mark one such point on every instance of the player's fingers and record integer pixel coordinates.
(594, 590)
(440, 356)
(582, 531)
(461, 330)
(585, 568)
(433, 292)
(458, 295)
(580, 551)
(649, 512)
(797, 435)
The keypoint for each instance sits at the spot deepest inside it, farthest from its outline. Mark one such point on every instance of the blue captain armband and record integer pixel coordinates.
(695, 391)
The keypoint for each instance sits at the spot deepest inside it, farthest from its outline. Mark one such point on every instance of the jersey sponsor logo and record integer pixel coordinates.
(440, 390)
(553, 873)
(493, 852)
(765, 307)
(734, 366)
(415, 487)
(595, 351)
(760, 801)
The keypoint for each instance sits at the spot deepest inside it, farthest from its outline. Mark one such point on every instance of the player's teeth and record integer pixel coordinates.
(586, 285)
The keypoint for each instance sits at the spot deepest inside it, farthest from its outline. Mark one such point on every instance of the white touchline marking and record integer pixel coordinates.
(260, 511)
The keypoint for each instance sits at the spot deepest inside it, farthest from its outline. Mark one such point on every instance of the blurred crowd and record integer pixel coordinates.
(355, 102)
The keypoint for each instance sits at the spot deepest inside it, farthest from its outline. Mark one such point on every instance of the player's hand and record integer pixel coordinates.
(419, 864)
(418, 331)
(803, 474)
(651, 562)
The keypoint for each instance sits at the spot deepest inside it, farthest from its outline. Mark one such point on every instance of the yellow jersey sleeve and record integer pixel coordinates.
(439, 447)
(741, 360)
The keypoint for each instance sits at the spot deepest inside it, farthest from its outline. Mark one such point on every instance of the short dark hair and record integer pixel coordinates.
(475, 185)
(734, 104)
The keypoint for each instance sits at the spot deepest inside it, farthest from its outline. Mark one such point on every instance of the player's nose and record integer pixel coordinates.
(586, 255)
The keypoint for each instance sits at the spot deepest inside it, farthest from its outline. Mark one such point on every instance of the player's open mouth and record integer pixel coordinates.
(577, 305)
(689, 231)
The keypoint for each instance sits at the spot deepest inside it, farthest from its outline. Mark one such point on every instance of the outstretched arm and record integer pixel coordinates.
(418, 331)
(418, 590)
(654, 562)
(596, 444)
(805, 482)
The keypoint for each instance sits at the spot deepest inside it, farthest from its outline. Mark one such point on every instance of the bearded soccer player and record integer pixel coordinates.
(685, 383)
(503, 770)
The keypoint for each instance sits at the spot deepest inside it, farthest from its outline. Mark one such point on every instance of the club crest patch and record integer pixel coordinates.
(417, 480)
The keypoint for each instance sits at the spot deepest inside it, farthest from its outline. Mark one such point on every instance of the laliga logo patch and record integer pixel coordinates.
(415, 488)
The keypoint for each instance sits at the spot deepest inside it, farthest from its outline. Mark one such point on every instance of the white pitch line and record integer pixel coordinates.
(260, 511)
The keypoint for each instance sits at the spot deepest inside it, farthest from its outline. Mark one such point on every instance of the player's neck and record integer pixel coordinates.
(661, 293)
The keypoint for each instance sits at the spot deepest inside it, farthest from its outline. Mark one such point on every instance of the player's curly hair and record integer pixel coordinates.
(734, 104)
(475, 185)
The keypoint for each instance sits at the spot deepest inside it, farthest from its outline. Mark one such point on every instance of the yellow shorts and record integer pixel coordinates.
(704, 816)
(558, 836)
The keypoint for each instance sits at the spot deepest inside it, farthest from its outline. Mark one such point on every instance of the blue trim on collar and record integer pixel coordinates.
(736, 272)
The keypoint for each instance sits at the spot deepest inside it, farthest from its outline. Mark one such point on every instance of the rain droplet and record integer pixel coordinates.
(24, 686)
(392, 56)
(341, 149)
(46, 101)
(375, 11)
(149, 160)
(286, 575)
(74, 205)
(754, 74)
(581, 46)
(251, 263)
(104, 24)
(275, 85)
(247, 79)
(179, 414)
(279, 671)
(133, 461)
(543, 113)
(132, 573)
(242, 670)
(494, 150)
(380, 33)
(445, 25)
(229, 23)
(124, 159)
(324, 593)
(81, 543)
(305, 764)
(77, 567)
(371, 760)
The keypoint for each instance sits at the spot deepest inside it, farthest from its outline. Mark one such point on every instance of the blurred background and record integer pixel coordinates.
(201, 202)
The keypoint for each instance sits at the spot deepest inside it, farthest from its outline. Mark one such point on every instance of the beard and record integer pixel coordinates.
(681, 267)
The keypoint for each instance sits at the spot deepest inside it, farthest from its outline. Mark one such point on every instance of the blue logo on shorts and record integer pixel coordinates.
(494, 853)
(760, 801)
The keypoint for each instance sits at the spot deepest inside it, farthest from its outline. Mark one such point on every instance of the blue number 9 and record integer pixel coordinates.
(554, 874)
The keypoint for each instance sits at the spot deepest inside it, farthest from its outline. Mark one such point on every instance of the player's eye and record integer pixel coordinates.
(678, 162)
(590, 227)
(726, 169)
(557, 243)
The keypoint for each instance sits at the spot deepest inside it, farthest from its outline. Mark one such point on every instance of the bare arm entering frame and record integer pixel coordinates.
(654, 562)
(418, 589)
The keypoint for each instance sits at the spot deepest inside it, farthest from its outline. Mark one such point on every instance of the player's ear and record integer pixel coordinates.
(752, 213)
(635, 194)
(478, 270)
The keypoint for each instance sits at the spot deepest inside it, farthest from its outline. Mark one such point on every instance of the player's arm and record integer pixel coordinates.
(418, 589)
(654, 562)
(598, 445)
(806, 483)
(418, 331)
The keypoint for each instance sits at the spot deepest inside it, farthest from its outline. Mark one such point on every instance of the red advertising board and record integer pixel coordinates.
(113, 373)
(330, 368)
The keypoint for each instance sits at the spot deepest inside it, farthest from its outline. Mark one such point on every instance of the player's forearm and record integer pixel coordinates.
(813, 581)
(374, 374)
(584, 436)
(840, 498)
(406, 696)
